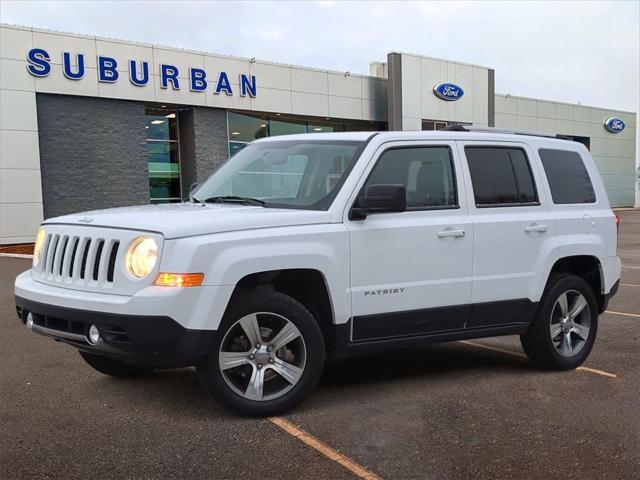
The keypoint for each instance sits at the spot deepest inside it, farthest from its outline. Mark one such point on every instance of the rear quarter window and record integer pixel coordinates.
(567, 176)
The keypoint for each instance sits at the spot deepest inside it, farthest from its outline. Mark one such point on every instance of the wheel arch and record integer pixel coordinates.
(308, 286)
(588, 267)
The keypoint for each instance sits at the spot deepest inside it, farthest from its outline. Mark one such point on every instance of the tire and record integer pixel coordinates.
(112, 367)
(557, 339)
(290, 371)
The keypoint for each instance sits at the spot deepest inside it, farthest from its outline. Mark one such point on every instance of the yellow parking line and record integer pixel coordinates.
(598, 372)
(324, 449)
(623, 313)
(517, 354)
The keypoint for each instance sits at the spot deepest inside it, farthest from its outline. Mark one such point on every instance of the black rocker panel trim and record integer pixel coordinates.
(441, 319)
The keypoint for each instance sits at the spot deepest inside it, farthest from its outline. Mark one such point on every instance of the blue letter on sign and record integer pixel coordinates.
(169, 73)
(198, 82)
(107, 69)
(133, 75)
(38, 62)
(247, 85)
(224, 84)
(66, 66)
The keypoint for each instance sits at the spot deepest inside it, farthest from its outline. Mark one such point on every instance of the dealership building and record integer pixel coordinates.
(89, 122)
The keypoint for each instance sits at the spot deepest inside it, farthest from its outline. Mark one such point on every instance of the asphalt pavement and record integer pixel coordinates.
(463, 410)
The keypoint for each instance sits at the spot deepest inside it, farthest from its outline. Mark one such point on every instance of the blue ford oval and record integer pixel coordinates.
(614, 125)
(448, 91)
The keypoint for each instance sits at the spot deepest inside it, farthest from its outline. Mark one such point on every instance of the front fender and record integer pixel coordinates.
(226, 258)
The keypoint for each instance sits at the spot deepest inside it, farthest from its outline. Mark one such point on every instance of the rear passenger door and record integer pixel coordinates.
(513, 229)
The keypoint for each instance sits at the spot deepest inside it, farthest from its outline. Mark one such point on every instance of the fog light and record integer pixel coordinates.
(29, 321)
(94, 335)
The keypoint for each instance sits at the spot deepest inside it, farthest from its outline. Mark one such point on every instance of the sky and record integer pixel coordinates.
(587, 52)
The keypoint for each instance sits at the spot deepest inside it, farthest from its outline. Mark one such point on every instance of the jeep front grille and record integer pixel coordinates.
(90, 258)
(69, 257)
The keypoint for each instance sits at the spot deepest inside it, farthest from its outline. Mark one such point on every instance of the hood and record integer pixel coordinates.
(175, 220)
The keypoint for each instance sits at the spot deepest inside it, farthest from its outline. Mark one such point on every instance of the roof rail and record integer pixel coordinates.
(472, 128)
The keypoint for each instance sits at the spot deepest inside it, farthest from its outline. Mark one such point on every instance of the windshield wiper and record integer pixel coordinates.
(235, 199)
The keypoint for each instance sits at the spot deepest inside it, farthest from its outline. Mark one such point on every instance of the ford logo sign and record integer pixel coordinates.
(448, 91)
(614, 125)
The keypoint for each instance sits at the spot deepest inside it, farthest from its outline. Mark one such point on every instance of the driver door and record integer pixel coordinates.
(411, 270)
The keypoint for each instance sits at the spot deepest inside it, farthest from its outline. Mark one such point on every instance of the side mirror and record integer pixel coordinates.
(193, 186)
(380, 199)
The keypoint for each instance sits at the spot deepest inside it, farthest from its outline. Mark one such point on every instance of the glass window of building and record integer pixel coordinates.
(163, 155)
(245, 128)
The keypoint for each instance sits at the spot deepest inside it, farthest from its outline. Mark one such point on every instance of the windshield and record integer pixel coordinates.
(293, 174)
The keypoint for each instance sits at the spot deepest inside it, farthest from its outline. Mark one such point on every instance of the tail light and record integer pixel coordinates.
(617, 224)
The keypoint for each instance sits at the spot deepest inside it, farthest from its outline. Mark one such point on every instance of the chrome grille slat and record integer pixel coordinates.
(45, 251)
(59, 254)
(65, 272)
(50, 253)
(104, 260)
(82, 243)
(91, 258)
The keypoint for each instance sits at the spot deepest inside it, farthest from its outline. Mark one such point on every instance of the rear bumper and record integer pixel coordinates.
(150, 341)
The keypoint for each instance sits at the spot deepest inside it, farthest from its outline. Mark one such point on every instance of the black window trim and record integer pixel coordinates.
(507, 147)
(415, 209)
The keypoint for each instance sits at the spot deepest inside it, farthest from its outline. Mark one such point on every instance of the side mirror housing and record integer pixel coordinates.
(380, 199)
(193, 186)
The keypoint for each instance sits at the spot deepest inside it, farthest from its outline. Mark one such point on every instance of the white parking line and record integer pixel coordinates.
(631, 267)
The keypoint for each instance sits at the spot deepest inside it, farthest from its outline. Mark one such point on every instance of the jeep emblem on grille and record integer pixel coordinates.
(85, 220)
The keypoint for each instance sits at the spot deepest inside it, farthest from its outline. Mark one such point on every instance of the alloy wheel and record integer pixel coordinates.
(262, 356)
(570, 323)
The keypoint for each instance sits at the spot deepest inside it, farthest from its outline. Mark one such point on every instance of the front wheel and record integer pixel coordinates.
(267, 358)
(564, 329)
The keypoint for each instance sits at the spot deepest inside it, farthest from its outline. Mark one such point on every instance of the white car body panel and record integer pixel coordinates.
(495, 260)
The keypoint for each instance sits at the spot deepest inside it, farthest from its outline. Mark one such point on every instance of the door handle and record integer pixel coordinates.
(450, 232)
(535, 227)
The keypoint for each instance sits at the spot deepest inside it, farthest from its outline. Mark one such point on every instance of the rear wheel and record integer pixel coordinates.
(112, 367)
(268, 357)
(564, 329)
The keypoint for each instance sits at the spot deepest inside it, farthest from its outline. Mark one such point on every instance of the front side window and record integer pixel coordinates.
(293, 174)
(426, 172)
(568, 178)
(501, 177)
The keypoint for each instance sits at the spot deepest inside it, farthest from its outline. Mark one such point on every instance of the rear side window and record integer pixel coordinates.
(567, 176)
(501, 177)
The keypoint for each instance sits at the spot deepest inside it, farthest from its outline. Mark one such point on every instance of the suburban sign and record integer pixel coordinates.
(614, 125)
(448, 91)
(73, 68)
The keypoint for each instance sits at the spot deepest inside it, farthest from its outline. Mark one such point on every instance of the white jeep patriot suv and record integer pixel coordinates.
(309, 247)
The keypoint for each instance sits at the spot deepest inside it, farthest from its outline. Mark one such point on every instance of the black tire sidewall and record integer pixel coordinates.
(539, 343)
(212, 378)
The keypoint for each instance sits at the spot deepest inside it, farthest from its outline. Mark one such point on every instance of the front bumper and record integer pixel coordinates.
(150, 341)
(159, 327)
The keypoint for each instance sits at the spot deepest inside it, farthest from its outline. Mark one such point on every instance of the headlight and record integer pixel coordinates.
(37, 249)
(141, 257)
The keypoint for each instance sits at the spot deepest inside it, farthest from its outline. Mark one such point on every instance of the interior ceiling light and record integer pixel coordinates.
(157, 122)
(235, 133)
(171, 115)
